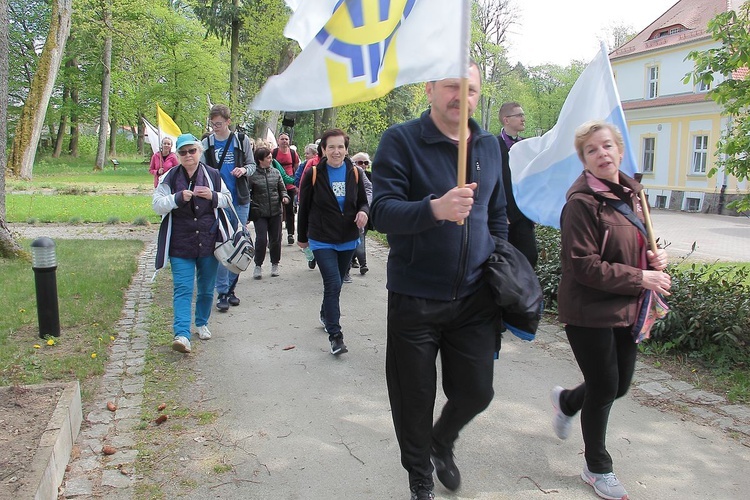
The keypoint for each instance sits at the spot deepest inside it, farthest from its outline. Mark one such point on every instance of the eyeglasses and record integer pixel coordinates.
(190, 151)
(217, 124)
(362, 162)
(522, 115)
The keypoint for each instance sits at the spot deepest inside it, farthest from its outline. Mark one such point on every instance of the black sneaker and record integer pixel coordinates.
(445, 468)
(422, 491)
(290, 239)
(233, 299)
(355, 264)
(363, 270)
(347, 278)
(311, 264)
(222, 303)
(338, 346)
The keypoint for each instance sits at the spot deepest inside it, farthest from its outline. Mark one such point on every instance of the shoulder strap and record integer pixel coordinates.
(275, 153)
(356, 174)
(625, 210)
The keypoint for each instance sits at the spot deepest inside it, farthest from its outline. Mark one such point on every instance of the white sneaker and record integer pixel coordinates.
(181, 344)
(605, 485)
(561, 423)
(204, 333)
(274, 269)
(257, 273)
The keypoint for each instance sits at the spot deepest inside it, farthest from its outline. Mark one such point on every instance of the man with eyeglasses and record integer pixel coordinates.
(232, 155)
(520, 228)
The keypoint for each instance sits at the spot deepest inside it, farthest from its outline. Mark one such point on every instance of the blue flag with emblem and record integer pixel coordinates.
(358, 50)
(543, 168)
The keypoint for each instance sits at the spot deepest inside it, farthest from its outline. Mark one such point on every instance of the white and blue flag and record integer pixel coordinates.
(359, 50)
(543, 168)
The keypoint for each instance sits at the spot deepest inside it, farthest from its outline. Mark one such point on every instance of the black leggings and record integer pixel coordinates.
(268, 234)
(606, 357)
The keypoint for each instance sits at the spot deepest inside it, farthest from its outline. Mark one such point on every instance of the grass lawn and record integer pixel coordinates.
(92, 277)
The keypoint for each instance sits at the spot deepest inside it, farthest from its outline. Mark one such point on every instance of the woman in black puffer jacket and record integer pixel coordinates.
(269, 193)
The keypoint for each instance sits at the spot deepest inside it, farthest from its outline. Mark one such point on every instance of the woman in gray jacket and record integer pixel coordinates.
(269, 193)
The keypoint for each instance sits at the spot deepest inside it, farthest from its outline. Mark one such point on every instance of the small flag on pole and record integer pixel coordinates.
(271, 139)
(153, 135)
(358, 50)
(167, 126)
(543, 168)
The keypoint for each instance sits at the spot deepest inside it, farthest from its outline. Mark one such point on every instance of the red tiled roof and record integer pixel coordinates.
(664, 101)
(690, 17)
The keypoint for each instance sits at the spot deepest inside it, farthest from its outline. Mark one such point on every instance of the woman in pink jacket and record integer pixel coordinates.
(163, 160)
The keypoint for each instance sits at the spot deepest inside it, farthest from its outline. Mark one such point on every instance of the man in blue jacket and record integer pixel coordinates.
(437, 299)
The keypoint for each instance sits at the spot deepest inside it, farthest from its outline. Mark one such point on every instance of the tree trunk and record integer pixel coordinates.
(101, 151)
(113, 138)
(74, 132)
(9, 248)
(139, 136)
(29, 126)
(63, 124)
(234, 64)
(317, 123)
(329, 116)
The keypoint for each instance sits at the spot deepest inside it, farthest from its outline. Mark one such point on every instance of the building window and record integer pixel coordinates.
(653, 82)
(661, 201)
(700, 154)
(703, 87)
(693, 204)
(648, 154)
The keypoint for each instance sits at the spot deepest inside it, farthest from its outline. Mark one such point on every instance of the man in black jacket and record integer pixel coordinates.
(520, 228)
(437, 298)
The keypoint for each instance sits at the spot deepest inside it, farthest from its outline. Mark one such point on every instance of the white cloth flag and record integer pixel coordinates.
(271, 139)
(153, 135)
(543, 168)
(364, 50)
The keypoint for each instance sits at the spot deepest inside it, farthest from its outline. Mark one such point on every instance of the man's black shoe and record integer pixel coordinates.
(311, 264)
(422, 491)
(363, 269)
(233, 299)
(290, 239)
(445, 469)
(222, 304)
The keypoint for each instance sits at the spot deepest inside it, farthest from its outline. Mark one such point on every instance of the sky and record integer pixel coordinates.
(557, 32)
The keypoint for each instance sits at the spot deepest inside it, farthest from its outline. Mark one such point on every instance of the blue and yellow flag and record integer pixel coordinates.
(365, 49)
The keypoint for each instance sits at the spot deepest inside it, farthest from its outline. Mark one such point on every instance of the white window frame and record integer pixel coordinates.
(649, 154)
(700, 154)
(701, 87)
(661, 201)
(652, 82)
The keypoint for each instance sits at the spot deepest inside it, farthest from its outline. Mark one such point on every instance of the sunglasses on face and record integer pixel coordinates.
(362, 162)
(190, 151)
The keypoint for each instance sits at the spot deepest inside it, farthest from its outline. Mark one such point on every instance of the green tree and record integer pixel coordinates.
(731, 59)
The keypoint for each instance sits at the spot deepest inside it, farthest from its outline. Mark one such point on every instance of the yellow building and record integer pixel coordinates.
(675, 127)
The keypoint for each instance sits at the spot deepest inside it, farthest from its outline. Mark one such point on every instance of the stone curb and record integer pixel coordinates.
(55, 445)
(91, 474)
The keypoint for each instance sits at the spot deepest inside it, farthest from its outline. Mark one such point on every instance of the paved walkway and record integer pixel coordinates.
(320, 426)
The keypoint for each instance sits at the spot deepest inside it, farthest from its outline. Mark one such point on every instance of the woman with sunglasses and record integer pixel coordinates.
(362, 160)
(187, 199)
(163, 160)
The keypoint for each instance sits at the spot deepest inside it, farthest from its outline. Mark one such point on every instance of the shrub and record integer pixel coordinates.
(141, 221)
(113, 221)
(709, 310)
(548, 267)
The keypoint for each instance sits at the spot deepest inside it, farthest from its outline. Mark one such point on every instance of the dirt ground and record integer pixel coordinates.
(24, 414)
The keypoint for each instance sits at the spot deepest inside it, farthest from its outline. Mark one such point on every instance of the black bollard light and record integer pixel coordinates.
(44, 264)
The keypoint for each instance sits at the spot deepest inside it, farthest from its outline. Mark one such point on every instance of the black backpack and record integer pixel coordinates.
(239, 159)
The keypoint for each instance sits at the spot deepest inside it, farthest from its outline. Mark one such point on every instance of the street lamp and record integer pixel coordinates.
(44, 264)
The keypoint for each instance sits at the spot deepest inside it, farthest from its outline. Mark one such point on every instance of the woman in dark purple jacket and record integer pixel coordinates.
(187, 199)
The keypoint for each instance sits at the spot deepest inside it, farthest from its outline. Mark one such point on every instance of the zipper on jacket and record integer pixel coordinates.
(604, 241)
(465, 233)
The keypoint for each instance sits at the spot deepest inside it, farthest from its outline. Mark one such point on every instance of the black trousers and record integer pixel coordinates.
(606, 357)
(268, 234)
(521, 235)
(463, 332)
(289, 212)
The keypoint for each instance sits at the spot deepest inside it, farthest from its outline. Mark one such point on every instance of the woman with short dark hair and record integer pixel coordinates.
(333, 208)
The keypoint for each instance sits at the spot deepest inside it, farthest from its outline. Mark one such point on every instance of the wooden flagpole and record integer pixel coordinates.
(463, 131)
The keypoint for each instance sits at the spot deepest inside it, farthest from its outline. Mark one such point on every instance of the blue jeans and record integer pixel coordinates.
(226, 280)
(333, 266)
(184, 273)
